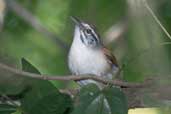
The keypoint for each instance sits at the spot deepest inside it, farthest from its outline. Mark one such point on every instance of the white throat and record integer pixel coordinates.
(76, 38)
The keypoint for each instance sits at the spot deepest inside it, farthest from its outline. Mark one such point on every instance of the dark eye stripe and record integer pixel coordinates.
(96, 40)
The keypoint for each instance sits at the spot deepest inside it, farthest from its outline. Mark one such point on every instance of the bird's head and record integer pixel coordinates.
(86, 33)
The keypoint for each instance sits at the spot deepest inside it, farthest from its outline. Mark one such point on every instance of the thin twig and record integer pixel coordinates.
(156, 19)
(11, 101)
(72, 77)
(34, 22)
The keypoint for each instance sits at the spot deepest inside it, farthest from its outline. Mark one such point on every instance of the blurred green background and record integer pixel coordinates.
(19, 39)
(139, 47)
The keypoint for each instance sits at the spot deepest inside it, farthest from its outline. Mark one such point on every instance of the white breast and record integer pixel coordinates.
(84, 60)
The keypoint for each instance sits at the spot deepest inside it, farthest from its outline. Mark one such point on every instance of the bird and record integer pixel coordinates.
(88, 55)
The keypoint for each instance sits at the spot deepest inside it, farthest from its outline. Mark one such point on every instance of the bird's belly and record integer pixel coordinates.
(88, 64)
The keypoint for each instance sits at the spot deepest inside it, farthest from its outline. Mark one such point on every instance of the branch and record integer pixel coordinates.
(10, 101)
(34, 22)
(73, 78)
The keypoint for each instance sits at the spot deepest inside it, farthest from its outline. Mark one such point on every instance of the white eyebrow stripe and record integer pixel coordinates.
(89, 27)
(82, 33)
(92, 30)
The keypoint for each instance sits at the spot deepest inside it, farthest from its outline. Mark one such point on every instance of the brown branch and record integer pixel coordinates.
(34, 22)
(72, 78)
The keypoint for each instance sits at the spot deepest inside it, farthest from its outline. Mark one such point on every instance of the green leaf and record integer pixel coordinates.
(92, 100)
(85, 99)
(116, 100)
(10, 83)
(18, 111)
(26, 66)
(42, 97)
(7, 109)
(52, 104)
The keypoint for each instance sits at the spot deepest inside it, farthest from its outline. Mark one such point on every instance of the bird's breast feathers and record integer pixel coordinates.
(86, 61)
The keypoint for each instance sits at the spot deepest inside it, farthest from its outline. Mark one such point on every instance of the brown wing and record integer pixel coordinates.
(110, 57)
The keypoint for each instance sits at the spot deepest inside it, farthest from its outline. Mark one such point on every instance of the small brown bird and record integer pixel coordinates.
(88, 55)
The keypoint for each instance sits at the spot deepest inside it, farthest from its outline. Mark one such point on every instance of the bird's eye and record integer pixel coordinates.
(88, 31)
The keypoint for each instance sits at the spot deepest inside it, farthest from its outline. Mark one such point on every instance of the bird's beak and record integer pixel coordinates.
(77, 22)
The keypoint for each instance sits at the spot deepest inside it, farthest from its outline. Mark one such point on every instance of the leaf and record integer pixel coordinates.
(18, 111)
(26, 66)
(42, 97)
(7, 109)
(92, 100)
(10, 83)
(87, 95)
(116, 100)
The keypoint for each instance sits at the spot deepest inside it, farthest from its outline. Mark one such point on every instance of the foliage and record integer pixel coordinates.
(92, 100)
(7, 109)
(42, 97)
